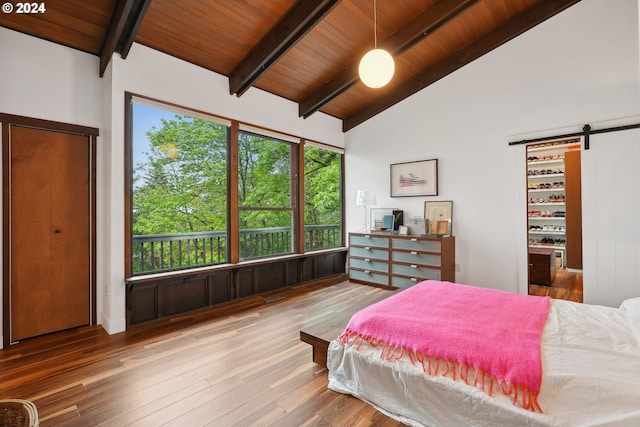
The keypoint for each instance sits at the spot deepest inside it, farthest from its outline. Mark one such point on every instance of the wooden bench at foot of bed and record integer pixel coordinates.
(324, 330)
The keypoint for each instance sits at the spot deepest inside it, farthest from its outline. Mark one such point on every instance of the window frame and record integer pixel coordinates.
(293, 196)
(302, 193)
(233, 209)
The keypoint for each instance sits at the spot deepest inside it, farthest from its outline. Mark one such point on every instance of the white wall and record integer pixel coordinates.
(579, 67)
(48, 81)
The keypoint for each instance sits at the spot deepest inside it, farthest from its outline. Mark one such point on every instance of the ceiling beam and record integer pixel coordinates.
(420, 27)
(132, 25)
(300, 19)
(125, 22)
(522, 22)
(118, 19)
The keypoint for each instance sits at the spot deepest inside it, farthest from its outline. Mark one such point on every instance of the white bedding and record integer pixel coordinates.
(591, 377)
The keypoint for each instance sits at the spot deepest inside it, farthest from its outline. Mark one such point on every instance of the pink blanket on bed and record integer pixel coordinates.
(472, 334)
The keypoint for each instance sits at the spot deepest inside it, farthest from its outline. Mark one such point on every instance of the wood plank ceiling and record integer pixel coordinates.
(306, 51)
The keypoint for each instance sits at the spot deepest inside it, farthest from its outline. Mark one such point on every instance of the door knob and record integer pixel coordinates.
(57, 231)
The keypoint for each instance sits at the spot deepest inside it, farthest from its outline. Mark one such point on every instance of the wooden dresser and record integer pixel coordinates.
(392, 260)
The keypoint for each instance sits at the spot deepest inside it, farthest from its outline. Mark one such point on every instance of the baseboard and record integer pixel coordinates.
(112, 327)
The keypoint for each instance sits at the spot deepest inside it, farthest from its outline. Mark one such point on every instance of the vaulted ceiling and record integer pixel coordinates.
(306, 51)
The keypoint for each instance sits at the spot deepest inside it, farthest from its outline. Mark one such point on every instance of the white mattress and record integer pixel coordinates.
(591, 377)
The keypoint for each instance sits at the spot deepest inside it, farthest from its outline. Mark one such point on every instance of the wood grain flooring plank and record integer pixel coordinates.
(144, 408)
(254, 394)
(242, 365)
(567, 285)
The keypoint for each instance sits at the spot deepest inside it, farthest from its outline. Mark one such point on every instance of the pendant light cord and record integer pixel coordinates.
(375, 26)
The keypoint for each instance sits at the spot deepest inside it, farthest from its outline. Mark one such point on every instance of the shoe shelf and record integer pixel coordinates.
(546, 203)
(560, 148)
(540, 190)
(547, 229)
(548, 246)
(538, 218)
(554, 162)
(547, 175)
(546, 196)
(544, 233)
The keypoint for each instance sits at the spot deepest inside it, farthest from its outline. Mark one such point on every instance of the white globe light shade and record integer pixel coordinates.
(376, 68)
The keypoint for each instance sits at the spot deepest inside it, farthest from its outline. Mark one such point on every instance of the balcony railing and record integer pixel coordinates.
(162, 252)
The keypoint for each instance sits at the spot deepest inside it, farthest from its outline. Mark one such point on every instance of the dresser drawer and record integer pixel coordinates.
(367, 276)
(368, 264)
(416, 271)
(404, 282)
(368, 252)
(416, 258)
(416, 245)
(367, 240)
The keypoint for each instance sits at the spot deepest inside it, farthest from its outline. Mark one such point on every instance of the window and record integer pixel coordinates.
(179, 194)
(264, 196)
(183, 211)
(322, 198)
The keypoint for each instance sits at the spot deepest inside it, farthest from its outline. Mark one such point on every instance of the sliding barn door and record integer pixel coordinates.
(611, 217)
(49, 228)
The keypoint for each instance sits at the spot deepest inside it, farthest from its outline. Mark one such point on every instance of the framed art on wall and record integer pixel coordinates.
(414, 178)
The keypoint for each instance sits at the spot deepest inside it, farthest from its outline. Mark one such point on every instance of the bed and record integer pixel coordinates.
(589, 360)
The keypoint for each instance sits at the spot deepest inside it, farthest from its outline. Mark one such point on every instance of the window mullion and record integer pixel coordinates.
(297, 191)
(232, 191)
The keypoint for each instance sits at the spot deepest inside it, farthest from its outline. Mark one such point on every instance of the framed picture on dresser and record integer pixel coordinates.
(439, 216)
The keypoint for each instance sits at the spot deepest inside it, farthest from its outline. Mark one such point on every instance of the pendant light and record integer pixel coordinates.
(376, 66)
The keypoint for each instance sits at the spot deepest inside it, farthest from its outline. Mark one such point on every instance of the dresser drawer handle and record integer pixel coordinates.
(367, 272)
(414, 266)
(367, 248)
(414, 253)
(367, 260)
(367, 236)
(413, 239)
(413, 279)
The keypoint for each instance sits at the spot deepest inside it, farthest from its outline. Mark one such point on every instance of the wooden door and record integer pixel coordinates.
(573, 204)
(50, 235)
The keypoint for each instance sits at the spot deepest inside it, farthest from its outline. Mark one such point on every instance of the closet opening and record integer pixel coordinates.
(554, 219)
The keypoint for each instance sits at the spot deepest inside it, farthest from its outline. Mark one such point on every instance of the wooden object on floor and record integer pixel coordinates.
(240, 365)
(542, 266)
(319, 334)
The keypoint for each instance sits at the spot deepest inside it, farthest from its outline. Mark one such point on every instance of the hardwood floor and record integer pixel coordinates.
(244, 368)
(567, 285)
